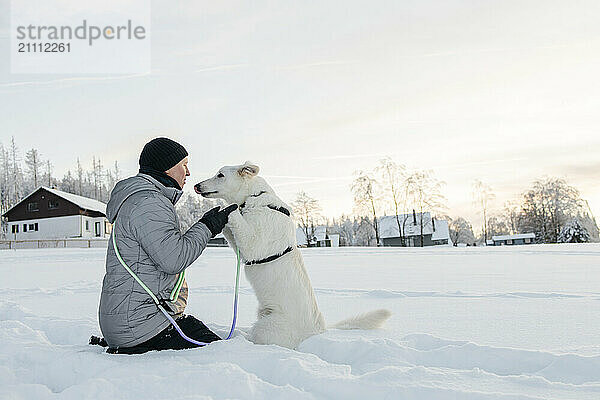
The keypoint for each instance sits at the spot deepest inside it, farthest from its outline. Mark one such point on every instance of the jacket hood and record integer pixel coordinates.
(139, 183)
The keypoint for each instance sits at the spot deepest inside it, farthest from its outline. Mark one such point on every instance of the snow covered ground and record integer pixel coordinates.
(468, 323)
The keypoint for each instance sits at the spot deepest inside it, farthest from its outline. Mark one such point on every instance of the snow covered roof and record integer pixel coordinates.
(441, 230)
(84, 202)
(320, 234)
(388, 226)
(530, 235)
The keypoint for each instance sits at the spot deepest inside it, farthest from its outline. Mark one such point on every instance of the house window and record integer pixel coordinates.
(52, 204)
(36, 226)
(15, 229)
(107, 227)
(33, 206)
(87, 225)
(24, 227)
(509, 241)
(32, 227)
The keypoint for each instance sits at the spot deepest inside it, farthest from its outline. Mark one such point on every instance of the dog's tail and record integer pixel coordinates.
(369, 320)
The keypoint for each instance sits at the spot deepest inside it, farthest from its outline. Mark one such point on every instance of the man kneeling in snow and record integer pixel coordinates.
(151, 244)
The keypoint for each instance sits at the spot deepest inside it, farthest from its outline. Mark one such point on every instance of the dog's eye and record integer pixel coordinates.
(220, 175)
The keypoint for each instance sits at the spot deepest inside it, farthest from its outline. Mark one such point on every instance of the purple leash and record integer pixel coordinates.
(162, 309)
(235, 303)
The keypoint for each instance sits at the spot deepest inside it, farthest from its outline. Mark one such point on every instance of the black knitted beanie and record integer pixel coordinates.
(162, 154)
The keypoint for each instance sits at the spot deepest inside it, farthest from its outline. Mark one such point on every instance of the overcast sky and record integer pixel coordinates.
(501, 91)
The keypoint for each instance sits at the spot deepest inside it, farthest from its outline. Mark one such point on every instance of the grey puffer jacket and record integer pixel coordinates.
(150, 242)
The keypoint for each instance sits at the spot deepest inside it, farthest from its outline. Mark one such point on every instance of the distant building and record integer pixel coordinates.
(512, 240)
(53, 214)
(321, 237)
(435, 231)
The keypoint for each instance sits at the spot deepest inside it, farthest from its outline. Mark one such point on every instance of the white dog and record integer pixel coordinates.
(264, 232)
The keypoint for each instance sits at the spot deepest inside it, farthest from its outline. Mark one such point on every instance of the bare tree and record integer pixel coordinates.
(96, 175)
(307, 213)
(79, 177)
(68, 183)
(4, 188)
(512, 216)
(393, 178)
(497, 226)
(117, 172)
(5, 177)
(548, 206)
(16, 175)
(425, 191)
(49, 172)
(461, 231)
(482, 196)
(366, 197)
(112, 176)
(364, 231)
(33, 163)
(592, 215)
(344, 227)
(99, 176)
(591, 224)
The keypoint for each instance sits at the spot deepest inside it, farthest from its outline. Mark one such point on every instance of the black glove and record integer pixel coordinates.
(216, 219)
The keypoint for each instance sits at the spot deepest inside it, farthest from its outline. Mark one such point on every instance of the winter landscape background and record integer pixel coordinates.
(551, 208)
(514, 322)
(481, 113)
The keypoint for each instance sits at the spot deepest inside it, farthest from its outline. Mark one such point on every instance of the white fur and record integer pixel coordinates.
(287, 307)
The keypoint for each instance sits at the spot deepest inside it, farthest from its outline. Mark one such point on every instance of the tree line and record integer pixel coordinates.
(550, 208)
(22, 174)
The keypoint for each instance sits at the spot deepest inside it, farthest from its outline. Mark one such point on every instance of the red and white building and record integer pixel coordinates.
(53, 214)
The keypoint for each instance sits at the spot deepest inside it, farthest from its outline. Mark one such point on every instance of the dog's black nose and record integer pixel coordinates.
(197, 188)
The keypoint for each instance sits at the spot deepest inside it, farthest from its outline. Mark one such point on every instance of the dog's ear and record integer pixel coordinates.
(248, 169)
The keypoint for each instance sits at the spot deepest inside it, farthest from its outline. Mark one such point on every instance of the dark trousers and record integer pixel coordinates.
(170, 339)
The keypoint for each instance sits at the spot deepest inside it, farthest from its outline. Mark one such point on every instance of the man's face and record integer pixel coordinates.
(179, 172)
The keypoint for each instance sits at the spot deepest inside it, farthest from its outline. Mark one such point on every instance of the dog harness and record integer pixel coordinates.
(270, 258)
(274, 257)
(272, 207)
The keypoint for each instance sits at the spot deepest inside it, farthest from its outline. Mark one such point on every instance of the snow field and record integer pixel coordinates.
(502, 323)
